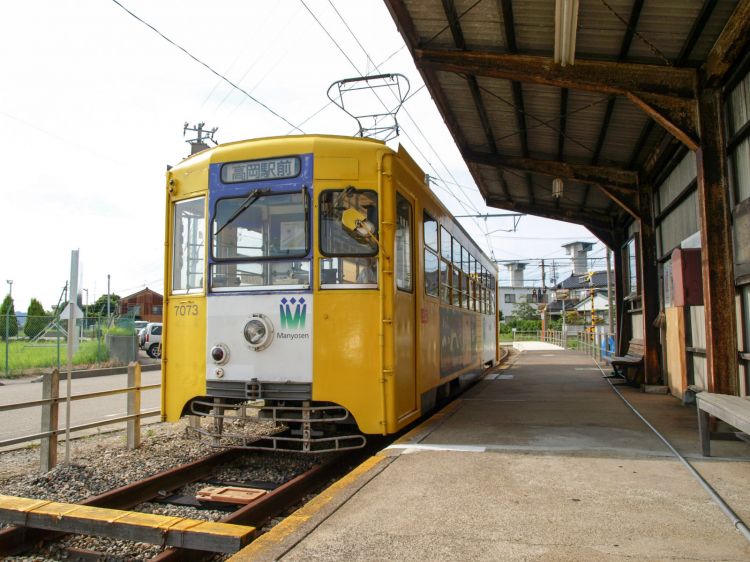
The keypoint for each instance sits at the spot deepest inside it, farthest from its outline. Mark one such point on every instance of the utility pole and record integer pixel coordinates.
(7, 323)
(544, 280)
(72, 305)
(107, 299)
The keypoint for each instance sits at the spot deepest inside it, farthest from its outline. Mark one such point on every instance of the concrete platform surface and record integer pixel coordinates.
(542, 461)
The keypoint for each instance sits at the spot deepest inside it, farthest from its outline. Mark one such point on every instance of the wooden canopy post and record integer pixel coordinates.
(622, 328)
(717, 259)
(649, 271)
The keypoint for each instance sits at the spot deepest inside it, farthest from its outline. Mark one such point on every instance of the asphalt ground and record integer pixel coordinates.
(542, 462)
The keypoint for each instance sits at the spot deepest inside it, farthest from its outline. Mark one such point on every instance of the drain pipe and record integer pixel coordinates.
(737, 523)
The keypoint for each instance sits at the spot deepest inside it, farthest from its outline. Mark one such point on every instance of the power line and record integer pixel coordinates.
(489, 245)
(207, 66)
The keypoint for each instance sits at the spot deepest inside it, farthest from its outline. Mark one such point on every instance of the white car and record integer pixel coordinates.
(152, 339)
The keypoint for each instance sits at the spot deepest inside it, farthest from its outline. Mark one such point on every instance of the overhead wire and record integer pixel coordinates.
(208, 67)
(338, 46)
(416, 125)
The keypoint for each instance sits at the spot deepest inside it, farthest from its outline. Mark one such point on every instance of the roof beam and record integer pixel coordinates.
(509, 29)
(606, 236)
(615, 178)
(458, 39)
(628, 202)
(729, 47)
(635, 15)
(666, 94)
(617, 78)
(678, 116)
(589, 220)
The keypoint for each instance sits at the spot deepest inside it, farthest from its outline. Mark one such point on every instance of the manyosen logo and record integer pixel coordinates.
(293, 319)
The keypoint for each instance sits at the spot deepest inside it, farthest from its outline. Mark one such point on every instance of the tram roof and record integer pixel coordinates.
(599, 123)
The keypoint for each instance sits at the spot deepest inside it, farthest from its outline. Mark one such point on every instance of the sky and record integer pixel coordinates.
(92, 108)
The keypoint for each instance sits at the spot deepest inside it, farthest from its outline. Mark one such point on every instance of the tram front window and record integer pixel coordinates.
(254, 239)
(348, 238)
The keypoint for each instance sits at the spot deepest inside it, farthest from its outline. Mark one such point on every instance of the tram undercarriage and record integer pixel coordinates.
(298, 426)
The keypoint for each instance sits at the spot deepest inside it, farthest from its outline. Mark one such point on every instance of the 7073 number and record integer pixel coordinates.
(186, 310)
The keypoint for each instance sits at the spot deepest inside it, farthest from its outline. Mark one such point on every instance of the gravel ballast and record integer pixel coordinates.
(101, 463)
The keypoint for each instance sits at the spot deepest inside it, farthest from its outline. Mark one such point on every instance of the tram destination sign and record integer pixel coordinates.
(257, 170)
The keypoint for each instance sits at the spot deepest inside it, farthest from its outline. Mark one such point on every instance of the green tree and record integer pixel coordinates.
(99, 308)
(524, 311)
(572, 318)
(8, 320)
(36, 319)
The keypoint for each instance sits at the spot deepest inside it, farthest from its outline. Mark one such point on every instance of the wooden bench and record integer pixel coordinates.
(734, 410)
(631, 361)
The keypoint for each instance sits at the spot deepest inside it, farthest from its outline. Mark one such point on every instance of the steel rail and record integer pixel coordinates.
(98, 394)
(277, 501)
(15, 539)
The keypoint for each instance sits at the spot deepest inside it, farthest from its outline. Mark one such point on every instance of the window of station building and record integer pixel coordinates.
(430, 231)
(631, 274)
(188, 246)
(738, 150)
(403, 244)
(738, 109)
(510, 298)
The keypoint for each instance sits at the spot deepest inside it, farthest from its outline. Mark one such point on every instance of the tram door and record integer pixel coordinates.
(405, 313)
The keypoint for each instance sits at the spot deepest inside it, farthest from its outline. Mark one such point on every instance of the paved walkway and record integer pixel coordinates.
(541, 462)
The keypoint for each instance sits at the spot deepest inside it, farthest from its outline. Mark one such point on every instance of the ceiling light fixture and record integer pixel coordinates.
(557, 188)
(566, 26)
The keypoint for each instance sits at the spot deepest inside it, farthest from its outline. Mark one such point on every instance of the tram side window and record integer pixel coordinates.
(431, 260)
(430, 273)
(445, 281)
(403, 244)
(188, 246)
(430, 231)
(348, 238)
(445, 244)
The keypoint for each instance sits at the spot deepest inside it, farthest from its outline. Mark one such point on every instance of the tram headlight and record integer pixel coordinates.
(219, 354)
(258, 332)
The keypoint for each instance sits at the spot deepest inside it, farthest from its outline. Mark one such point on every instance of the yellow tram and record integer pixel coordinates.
(318, 279)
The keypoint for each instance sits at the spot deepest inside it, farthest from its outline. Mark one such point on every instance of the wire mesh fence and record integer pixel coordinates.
(35, 344)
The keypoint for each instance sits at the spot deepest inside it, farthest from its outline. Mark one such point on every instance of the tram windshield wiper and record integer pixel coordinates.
(249, 200)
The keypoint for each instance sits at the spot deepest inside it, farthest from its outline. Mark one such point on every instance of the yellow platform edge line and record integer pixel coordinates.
(259, 548)
(18, 509)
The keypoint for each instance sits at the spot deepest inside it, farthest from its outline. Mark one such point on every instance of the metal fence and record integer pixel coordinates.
(599, 344)
(35, 344)
(51, 401)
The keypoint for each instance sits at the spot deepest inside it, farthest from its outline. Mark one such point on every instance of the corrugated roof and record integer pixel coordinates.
(529, 120)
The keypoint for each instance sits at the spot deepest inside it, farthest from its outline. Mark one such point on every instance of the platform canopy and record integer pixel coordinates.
(561, 109)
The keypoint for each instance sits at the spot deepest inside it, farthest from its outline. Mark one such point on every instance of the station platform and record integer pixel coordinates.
(539, 461)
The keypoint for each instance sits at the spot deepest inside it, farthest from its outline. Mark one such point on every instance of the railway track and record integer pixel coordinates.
(167, 484)
(23, 539)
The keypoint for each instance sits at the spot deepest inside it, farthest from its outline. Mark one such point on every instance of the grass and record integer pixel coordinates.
(22, 356)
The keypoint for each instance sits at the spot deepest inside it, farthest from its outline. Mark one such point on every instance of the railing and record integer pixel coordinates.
(51, 401)
(529, 335)
(599, 344)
